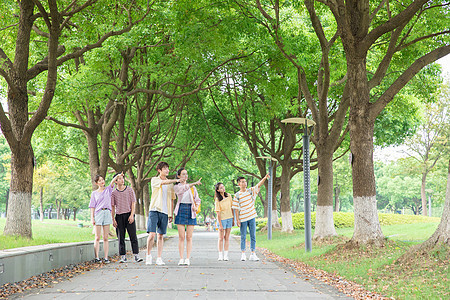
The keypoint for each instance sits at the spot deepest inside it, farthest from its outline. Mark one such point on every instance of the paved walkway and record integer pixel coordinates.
(205, 278)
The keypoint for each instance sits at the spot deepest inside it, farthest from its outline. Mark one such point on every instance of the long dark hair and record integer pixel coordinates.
(218, 194)
(179, 173)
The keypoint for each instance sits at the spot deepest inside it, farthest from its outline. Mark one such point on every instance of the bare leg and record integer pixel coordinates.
(98, 233)
(150, 241)
(160, 244)
(220, 242)
(189, 231)
(105, 240)
(181, 236)
(226, 243)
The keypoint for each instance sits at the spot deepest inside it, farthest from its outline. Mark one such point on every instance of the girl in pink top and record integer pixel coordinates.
(186, 213)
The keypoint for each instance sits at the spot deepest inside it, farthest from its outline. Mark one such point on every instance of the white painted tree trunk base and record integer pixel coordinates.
(140, 222)
(275, 223)
(286, 220)
(324, 222)
(18, 220)
(367, 224)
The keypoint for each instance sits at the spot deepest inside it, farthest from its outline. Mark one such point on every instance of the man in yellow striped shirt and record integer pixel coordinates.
(245, 212)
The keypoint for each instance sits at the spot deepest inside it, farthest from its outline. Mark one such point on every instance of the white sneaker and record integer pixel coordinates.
(220, 256)
(181, 262)
(123, 259)
(159, 261)
(253, 257)
(187, 262)
(243, 257)
(225, 257)
(148, 259)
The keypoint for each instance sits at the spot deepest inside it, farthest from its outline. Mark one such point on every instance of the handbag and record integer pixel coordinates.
(199, 209)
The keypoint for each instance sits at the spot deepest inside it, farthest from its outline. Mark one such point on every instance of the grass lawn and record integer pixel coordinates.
(426, 277)
(53, 231)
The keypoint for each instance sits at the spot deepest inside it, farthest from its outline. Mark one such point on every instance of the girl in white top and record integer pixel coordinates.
(186, 213)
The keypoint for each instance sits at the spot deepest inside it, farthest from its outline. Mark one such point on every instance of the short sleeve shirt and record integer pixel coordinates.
(223, 207)
(245, 203)
(123, 200)
(101, 200)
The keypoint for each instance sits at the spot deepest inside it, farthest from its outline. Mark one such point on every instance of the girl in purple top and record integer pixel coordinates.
(100, 206)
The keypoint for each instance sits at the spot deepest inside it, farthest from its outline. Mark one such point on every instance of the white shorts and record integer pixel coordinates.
(103, 217)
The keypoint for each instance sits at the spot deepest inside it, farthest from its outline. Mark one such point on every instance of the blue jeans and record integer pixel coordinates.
(252, 230)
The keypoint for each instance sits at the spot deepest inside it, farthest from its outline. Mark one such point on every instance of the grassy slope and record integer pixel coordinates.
(427, 277)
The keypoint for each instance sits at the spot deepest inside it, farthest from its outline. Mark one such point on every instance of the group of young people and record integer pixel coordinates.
(116, 206)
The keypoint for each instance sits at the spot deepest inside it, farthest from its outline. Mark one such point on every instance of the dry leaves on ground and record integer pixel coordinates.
(347, 287)
(48, 278)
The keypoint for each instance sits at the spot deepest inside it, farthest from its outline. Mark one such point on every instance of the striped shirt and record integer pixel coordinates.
(123, 200)
(245, 203)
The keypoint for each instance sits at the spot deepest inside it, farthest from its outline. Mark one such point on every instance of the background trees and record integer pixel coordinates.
(35, 48)
(205, 85)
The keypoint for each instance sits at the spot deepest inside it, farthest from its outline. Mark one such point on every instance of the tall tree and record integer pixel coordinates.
(47, 21)
(377, 36)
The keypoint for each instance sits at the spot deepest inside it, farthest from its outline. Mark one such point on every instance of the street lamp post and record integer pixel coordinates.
(269, 195)
(306, 176)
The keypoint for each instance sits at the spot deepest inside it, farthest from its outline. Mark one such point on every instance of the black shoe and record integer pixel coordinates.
(106, 261)
(138, 259)
(97, 260)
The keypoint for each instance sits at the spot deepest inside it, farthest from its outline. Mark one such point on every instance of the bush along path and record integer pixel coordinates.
(347, 220)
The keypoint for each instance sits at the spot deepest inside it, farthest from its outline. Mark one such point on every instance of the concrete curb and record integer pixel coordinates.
(22, 263)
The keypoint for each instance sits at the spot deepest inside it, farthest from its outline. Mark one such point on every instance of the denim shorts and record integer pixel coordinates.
(157, 219)
(184, 215)
(227, 223)
(103, 217)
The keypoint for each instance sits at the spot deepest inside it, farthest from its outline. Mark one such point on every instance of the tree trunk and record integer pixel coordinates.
(285, 203)
(41, 204)
(18, 220)
(94, 162)
(275, 222)
(139, 212)
(58, 209)
(6, 203)
(50, 212)
(264, 203)
(423, 193)
(337, 191)
(75, 213)
(367, 226)
(324, 214)
(146, 196)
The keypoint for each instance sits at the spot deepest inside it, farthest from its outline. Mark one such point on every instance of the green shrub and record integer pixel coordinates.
(392, 219)
(346, 219)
